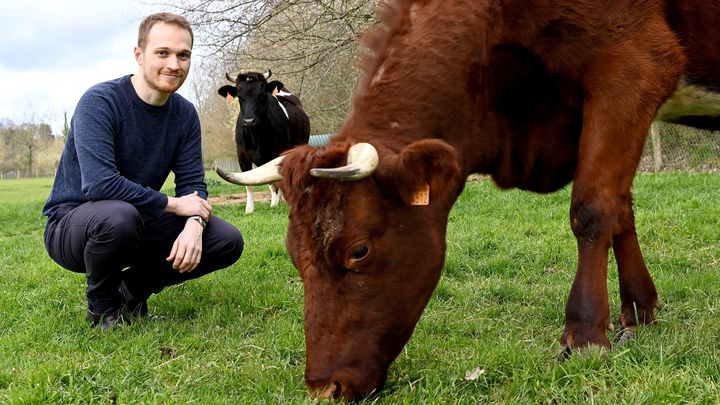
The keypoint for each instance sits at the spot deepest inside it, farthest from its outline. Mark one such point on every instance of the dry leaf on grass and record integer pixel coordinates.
(473, 375)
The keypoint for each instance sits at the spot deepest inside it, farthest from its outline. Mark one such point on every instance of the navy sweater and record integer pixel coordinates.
(121, 148)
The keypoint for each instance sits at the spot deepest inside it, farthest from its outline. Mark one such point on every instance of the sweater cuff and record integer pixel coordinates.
(157, 205)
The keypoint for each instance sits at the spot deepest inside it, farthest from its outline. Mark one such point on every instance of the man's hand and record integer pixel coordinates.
(187, 249)
(189, 205)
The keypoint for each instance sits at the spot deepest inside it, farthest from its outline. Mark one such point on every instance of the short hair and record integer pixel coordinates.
(168, 18)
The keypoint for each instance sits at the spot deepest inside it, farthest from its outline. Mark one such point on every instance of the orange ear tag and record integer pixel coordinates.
(421, 196)
(275, 91)
(229, 98)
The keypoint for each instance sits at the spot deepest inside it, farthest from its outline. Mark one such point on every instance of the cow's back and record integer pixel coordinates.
(697, 100)
(299, 121)
(697, 24)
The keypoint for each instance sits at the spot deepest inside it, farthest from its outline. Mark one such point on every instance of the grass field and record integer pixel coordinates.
(236, 336)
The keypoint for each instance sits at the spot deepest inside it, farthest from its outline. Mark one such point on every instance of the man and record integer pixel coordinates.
(106, 213)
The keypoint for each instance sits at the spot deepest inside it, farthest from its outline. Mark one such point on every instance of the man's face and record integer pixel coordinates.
(165, 61)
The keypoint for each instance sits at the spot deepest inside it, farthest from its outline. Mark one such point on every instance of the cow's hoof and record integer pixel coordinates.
(586, 351)
(625, 335)
(585, 341)
(564, 354)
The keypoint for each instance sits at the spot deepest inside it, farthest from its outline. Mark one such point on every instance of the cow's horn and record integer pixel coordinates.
(229, 78)
(362, 160)
(265, 174)
(267, 74)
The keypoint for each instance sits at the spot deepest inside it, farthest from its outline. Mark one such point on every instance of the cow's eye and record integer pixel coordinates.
(358, 255)
(359, 252)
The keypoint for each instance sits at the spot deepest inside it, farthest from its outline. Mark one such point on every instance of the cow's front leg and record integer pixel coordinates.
(624, 86)
(587, 312)
(276, 195)
(601, 218)
(250, 200)
(637, 291)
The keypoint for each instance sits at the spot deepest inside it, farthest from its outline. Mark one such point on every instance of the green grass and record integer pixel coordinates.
(236, 336)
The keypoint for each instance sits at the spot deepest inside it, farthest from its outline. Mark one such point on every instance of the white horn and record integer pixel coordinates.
(267, 74)
(265, 174)
(362, 160)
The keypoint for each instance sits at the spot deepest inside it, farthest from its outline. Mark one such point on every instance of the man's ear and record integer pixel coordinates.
(138, 56)
(427, 172)
(228, 90)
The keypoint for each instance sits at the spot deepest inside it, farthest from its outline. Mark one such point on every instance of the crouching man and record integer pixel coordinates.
(106, 215)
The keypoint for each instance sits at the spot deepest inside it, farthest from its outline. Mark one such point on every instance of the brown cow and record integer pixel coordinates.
(536, 94)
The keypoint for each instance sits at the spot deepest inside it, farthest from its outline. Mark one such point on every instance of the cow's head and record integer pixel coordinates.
(367, 235)
(252, 90)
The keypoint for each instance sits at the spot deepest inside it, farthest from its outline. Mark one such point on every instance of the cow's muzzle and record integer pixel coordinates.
(249, 122)
(346, 384)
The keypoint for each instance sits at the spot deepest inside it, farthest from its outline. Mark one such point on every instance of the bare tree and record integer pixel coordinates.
(66, 126)
(217, 116)
(22, 146)
(310, 45)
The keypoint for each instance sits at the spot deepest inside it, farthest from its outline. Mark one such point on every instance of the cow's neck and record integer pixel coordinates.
(527, 123)
(403, 98)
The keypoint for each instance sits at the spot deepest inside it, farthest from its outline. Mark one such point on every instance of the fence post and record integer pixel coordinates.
(657, 146)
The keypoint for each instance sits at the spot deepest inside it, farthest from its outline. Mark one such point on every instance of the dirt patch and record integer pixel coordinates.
(240, 198)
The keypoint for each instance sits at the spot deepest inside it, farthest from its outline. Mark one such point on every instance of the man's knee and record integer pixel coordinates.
(116, 220)
(229, 242)
(238, 245)
(235, 244)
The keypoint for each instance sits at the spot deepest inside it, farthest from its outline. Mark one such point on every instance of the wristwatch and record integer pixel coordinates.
(199, 219)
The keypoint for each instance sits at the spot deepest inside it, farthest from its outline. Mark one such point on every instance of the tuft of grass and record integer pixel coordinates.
(236, 336)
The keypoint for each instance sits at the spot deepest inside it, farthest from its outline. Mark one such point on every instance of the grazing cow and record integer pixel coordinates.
(536, 94)
(271, 121)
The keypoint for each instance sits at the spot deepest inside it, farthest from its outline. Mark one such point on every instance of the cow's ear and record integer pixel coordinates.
(427, 172)
(274, 86)
(227, 90)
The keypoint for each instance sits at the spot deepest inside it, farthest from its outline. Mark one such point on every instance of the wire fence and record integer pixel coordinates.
(672, 147)
(25, 174)
(669, 148)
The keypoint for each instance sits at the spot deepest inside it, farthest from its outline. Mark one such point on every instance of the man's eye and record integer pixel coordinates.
(162, 53)
(184, 56)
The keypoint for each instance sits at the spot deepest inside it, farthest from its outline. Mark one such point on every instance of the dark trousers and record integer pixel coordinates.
(102, 238)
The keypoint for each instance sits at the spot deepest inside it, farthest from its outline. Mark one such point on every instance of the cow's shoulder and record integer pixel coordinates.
(289, 99)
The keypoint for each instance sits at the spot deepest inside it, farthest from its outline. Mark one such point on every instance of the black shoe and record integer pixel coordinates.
(108, 320)
(133, 307)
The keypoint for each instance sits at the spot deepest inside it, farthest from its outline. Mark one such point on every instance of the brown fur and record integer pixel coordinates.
(536, 94)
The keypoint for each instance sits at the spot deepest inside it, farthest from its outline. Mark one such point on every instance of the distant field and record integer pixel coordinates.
(236, 336)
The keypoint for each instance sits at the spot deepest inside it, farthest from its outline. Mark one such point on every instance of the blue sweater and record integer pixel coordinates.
(121, 148)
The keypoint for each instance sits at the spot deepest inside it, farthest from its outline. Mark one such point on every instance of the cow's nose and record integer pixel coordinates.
(332, 391)
(249, 122)
(345, 384)
(338, 388)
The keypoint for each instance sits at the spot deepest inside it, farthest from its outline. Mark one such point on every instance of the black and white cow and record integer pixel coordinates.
(271, 121)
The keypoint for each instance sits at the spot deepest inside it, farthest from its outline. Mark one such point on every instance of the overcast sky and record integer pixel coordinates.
(52, 51)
